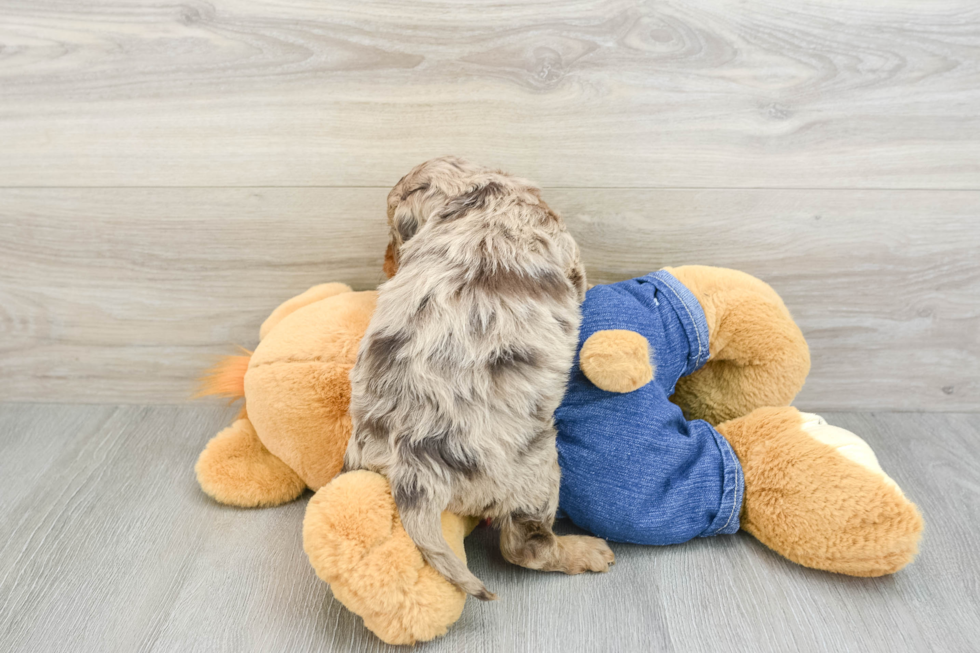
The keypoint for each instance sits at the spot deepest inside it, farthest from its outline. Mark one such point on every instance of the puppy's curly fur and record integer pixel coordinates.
(465, 361)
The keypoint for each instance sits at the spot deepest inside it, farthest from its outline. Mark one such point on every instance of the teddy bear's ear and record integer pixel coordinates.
(314, 294)
(617, 360)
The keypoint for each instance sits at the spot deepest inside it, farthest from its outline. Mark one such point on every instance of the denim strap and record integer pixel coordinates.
(691, 315)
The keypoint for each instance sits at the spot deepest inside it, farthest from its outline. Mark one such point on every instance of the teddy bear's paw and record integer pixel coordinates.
(355, 542)
(237, 470)
(581, 553)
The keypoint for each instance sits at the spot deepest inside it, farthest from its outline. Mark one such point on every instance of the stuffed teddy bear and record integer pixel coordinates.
(675, 425)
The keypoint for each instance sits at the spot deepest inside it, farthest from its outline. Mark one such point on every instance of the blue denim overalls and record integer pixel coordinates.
(633, 469)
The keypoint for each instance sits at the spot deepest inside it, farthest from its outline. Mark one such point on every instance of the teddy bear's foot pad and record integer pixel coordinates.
(846, 444)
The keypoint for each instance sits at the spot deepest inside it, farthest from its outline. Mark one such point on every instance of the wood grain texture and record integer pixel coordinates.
(122, 295)
(108, 545)
(614, 93)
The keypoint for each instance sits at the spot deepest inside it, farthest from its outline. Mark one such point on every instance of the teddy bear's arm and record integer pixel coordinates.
(314, 294)
(617, 360)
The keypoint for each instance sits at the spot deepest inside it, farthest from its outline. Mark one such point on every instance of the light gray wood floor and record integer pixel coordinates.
(109, 545)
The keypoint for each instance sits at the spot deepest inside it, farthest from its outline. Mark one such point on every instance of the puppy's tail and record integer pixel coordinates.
(422, 521)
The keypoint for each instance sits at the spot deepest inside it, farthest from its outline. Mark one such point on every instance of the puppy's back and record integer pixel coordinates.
(465, 361)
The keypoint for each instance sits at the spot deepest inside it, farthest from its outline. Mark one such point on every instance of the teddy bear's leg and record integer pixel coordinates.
(236, 469)
(314, 294)
(758, 355)
(355, 541)
(816, 494)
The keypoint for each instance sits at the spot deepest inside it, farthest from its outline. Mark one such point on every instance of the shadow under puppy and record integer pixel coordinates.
(464, 363)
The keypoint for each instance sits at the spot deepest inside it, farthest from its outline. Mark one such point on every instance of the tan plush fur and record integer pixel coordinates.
(298, 392)
(758, 355)
(314, 294)
(616, 360)
(236, 469)
(810, 503)
(354, 539)
(297, 386)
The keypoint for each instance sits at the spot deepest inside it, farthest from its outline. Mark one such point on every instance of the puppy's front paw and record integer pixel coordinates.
(581, 553)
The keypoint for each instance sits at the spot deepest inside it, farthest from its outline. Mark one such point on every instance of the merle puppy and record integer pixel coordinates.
(466, 360)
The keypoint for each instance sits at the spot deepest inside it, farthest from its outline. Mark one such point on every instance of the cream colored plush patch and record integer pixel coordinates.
(846, 444)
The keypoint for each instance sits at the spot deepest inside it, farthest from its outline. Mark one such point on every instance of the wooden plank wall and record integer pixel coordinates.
(171, 172)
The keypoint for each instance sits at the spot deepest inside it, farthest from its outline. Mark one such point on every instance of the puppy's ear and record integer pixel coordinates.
(406, 215)
(401, 227)
(405, 221)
